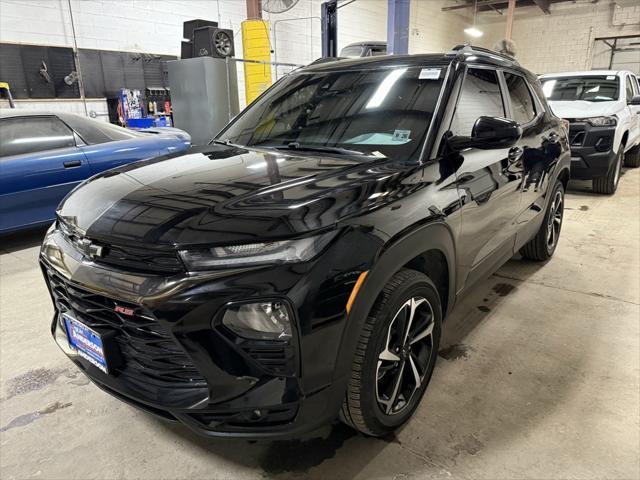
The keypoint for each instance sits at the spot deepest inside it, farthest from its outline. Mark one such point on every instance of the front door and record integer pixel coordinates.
(488, 181)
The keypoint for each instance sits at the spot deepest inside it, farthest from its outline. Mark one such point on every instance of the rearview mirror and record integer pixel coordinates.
(635, 100)
(489, 133)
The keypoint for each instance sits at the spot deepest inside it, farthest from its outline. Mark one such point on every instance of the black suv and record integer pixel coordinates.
(300, 266)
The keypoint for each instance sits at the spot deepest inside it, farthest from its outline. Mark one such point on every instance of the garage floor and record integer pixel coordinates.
(538, 378)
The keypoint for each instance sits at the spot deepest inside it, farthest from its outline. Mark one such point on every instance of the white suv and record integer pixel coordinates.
(603, 110)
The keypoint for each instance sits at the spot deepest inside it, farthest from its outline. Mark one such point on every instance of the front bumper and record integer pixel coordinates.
(592, 150)
(178, 364)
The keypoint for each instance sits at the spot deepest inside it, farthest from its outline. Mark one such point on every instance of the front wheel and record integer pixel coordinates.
(541, 247)
(632, 157)
(395, 357)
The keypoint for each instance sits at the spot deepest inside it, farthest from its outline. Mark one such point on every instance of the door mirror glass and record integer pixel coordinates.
(488, 133)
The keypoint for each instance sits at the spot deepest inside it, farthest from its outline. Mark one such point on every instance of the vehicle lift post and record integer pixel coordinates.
(398, 27)
(329, 20)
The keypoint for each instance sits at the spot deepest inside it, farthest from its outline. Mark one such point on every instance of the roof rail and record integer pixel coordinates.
(468, 48)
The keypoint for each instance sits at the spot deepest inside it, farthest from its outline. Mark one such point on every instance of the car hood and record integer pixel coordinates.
(583, 109)
(220, 194)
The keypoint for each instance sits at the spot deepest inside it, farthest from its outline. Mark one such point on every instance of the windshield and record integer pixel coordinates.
(592, 88)
(380, 112)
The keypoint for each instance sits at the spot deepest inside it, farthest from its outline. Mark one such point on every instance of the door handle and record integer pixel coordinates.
(72, 164)
(514, 154)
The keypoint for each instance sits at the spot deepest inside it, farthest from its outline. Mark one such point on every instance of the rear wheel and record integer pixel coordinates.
(632, 157)
(609, 183)
(396, 353)
(541, 247)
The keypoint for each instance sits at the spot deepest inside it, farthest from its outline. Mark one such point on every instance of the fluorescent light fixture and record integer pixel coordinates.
(473, 32)
(384, 88)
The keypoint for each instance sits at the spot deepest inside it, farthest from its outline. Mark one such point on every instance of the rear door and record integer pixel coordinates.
(39, 164)
(488, 180)
(539, 147)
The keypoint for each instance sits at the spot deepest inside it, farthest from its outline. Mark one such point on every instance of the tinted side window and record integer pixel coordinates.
(33, 134)
(629, 88)
(95, 131)
(522, 104)
(480, 96)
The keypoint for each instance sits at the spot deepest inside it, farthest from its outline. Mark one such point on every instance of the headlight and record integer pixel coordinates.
(267, 253)
(259, 321)
(601, 121)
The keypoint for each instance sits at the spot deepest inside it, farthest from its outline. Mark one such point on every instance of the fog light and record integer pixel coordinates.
(259, 321)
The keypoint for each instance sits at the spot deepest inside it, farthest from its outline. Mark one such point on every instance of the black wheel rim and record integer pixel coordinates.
(222, 43)
(555, 220)
(406, 357)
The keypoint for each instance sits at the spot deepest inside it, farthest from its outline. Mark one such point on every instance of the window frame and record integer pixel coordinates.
(73, 135)
(539, 107)
(628, 83)
(463, 77)
(635, 84)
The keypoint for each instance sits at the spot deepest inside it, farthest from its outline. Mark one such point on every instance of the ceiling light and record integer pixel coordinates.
(473, 32)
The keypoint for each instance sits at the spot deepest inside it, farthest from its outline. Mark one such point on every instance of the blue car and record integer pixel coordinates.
(43, 156)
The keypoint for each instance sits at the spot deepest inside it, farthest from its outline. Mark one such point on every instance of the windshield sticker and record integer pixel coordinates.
(611, 77)
(430, 74)
(401, 136)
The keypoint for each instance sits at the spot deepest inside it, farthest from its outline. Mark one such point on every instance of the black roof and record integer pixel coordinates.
(460, 53)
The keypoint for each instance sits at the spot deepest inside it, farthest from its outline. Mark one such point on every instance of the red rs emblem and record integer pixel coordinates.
(124, 310)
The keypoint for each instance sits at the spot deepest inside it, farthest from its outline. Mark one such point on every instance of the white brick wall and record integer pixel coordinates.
(562, 41)
(155, 26)
(546, 43)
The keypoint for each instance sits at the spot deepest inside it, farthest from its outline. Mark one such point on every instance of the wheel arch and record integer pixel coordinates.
(419, 249)
(564, 175)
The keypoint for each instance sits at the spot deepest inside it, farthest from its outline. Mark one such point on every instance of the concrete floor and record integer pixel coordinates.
(538, 378)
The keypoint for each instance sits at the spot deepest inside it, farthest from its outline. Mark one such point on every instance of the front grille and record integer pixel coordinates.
(272, 416)
(141, 259)
(127, 257)
(152, 359)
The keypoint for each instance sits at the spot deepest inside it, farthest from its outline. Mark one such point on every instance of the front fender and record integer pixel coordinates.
(395, 254)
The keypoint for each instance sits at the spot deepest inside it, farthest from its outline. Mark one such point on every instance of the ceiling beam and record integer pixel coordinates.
(544, 6)
(481, 3)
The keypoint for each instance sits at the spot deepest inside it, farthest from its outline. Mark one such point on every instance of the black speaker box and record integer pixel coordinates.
(213, 42)
(186, 50)
(189, 27)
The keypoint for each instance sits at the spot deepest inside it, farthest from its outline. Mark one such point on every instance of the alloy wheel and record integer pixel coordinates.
(555, 220)
(406, 356)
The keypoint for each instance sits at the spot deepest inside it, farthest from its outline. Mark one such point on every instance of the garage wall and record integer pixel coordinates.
(562, 41)
(155, 26)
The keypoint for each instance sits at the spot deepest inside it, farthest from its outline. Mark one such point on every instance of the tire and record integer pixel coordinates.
(541, 247)
(632, 157)
(609, 183)
(375, 369)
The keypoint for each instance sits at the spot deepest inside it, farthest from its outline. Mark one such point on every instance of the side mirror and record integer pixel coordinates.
(635, 100)
(489, 133)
